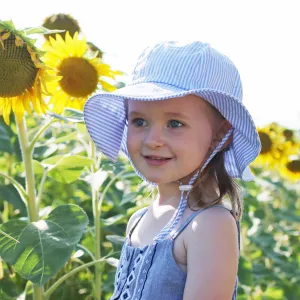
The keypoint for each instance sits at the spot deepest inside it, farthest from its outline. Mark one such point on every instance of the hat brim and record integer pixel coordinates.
(105, 118)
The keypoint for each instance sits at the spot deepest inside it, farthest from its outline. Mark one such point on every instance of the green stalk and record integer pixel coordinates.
(96, 214)
(5, 211)
(18, 187)
(41, 188)
(109, 185)
(87, 251)
(6, 207)
(71, 273)
(39, 133)
(33, 213)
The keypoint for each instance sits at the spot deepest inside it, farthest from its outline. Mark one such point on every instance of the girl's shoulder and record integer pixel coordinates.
(212, 254)
(216, 224)
(134, 217)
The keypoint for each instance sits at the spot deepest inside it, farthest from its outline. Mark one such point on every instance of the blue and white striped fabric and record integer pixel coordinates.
(170, 70)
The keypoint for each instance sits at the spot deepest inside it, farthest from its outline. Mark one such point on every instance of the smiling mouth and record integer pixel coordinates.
(157, 161)
(153, 157)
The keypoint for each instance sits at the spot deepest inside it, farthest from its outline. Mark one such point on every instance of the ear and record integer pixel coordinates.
(224, 127)
(229, 140)
(227, 143)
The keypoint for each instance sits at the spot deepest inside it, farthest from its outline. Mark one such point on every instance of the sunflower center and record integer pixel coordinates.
(80, 78)
(294, 166)
(18, 72)
(266, 142)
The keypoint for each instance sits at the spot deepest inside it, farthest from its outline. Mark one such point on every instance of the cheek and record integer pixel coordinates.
(133, 142)
(195, 146)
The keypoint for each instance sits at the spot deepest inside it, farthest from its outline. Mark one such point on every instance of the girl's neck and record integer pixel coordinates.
(169, 195)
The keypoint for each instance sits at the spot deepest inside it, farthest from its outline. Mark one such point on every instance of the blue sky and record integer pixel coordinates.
(262, 37)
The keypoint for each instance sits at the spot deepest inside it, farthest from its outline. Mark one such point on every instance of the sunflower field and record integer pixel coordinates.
(64, 207)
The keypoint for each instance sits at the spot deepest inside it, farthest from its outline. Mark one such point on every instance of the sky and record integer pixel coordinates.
(261, 37)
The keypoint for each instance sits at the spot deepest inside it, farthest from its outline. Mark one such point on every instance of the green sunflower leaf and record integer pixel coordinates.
(8, 24)
(40, 29)
(66, 168)
(5, 144)
(70, 115)
(73, 115)
(44, 246)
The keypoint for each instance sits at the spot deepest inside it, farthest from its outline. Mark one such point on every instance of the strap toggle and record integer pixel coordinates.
(185, 187)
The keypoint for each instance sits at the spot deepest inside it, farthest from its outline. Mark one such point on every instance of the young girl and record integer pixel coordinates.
(183, 126)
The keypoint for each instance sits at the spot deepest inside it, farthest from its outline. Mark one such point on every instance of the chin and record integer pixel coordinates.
(155, 179)
(159, 179)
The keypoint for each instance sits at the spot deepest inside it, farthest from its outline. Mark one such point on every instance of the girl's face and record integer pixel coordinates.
(168, 140)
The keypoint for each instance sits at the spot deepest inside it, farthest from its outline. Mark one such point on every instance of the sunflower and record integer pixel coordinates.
(23, 77)
(273, 145)
(82, 73)
(291, 166)
(61, 22)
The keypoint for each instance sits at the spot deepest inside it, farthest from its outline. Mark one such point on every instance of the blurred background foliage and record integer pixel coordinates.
(270, 226)
(270, 248)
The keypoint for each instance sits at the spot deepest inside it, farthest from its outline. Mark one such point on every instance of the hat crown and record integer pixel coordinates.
(188, 66)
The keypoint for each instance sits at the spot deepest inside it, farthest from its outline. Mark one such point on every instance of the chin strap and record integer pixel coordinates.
(185, 191)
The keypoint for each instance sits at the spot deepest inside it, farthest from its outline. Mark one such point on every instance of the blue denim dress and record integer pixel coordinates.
(151, 272)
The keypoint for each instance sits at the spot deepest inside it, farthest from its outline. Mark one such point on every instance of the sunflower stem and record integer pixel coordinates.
(40, 132)
(33, 213)
(69, 274)
(5, 211)
(109, 185)
(96, 214)
(41, 187)
(17, 186)
(87, 251)
(6, 208)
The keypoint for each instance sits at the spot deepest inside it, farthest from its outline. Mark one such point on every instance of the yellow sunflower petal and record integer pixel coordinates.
(37, 105)
(26, 102)
(6, 111)
(19, 42)
(61, 46)
(5, 36)
(69, 42)
(107, 86)
(59, 101)
(2, 44)
(2, 103)
(18, 108)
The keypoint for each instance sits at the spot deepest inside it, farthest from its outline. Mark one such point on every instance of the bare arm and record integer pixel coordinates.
(212, 256)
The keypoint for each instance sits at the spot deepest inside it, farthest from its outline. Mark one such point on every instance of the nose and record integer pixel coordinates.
(154, 138)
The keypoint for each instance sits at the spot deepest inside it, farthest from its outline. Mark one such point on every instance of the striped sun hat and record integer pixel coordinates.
(170, 70)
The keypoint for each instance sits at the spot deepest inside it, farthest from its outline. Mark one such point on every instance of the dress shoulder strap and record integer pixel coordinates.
(140, 212)
(194, 214)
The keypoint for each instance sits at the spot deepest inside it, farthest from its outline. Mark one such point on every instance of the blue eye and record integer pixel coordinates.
(139, 122)
(175, 124)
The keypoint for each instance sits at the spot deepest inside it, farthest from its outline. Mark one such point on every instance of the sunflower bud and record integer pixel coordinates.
(61, 22)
